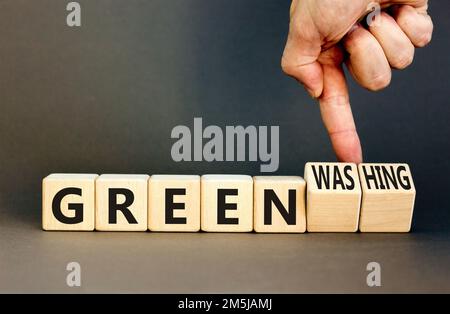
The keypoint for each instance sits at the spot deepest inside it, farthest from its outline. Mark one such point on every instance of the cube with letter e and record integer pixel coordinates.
(174, 203)
(226, 203)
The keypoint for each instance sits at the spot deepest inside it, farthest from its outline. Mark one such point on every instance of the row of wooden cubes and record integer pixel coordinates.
(333, 197)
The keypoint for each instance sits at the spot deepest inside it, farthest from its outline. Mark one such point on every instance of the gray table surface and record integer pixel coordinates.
(34, 261)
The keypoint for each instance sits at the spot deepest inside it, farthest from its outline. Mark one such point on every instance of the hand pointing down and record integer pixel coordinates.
(323, 34)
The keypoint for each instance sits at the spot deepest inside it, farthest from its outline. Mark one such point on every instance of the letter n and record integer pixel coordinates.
(288, 215)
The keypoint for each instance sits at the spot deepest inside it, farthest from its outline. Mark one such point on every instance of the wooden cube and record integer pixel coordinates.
(121, 202)
(174, 203)
(388, 197)
(279, 204)
(333, 197)
(226, 203)
(68, 202)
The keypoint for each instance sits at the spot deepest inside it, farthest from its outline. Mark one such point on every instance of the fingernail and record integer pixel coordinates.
(311, 93)
(354, 27)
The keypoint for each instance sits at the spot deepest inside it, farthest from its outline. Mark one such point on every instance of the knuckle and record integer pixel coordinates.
(402, 61)
(404, 23)
(380, 82)
(286, 66)
(424, 39)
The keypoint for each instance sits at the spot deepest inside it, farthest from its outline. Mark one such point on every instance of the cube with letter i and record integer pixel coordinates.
(333, 197)
(388, 197)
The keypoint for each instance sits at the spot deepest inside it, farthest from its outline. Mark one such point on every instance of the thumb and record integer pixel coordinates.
(302, 50)
(335, 109)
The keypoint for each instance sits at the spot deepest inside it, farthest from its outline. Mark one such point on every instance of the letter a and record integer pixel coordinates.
(73, 279)
(74, 17)
(374, 277)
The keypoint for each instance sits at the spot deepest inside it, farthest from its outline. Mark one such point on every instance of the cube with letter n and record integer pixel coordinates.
(279, 204)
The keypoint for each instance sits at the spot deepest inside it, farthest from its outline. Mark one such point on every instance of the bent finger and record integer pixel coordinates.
(367, 62)
(397, 47)
(416, 24)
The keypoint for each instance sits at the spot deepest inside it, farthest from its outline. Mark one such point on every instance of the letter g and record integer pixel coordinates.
(78, 208)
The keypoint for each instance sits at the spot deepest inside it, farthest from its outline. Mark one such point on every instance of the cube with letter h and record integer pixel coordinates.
(333, 197)
(388, 197)
(279, 204)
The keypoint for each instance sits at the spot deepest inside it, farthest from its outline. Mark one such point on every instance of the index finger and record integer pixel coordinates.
(336, 111)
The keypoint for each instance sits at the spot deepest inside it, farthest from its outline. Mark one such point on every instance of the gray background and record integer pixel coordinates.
(104, 98)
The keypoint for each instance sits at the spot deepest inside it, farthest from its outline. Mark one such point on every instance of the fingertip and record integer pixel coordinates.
(347, 146)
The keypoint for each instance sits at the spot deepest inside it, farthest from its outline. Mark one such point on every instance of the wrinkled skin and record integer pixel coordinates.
(323, 32)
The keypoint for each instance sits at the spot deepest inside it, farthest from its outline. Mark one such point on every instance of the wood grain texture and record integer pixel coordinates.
(388, 197)
(174, 191)
(53, 184)
(239, 219)
(290, 192)
(333, 197)
(137, 210)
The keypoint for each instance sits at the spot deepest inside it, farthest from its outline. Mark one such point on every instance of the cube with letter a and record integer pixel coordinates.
(333, 197)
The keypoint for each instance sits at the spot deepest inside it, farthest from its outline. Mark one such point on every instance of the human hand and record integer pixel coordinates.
(325, 33)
